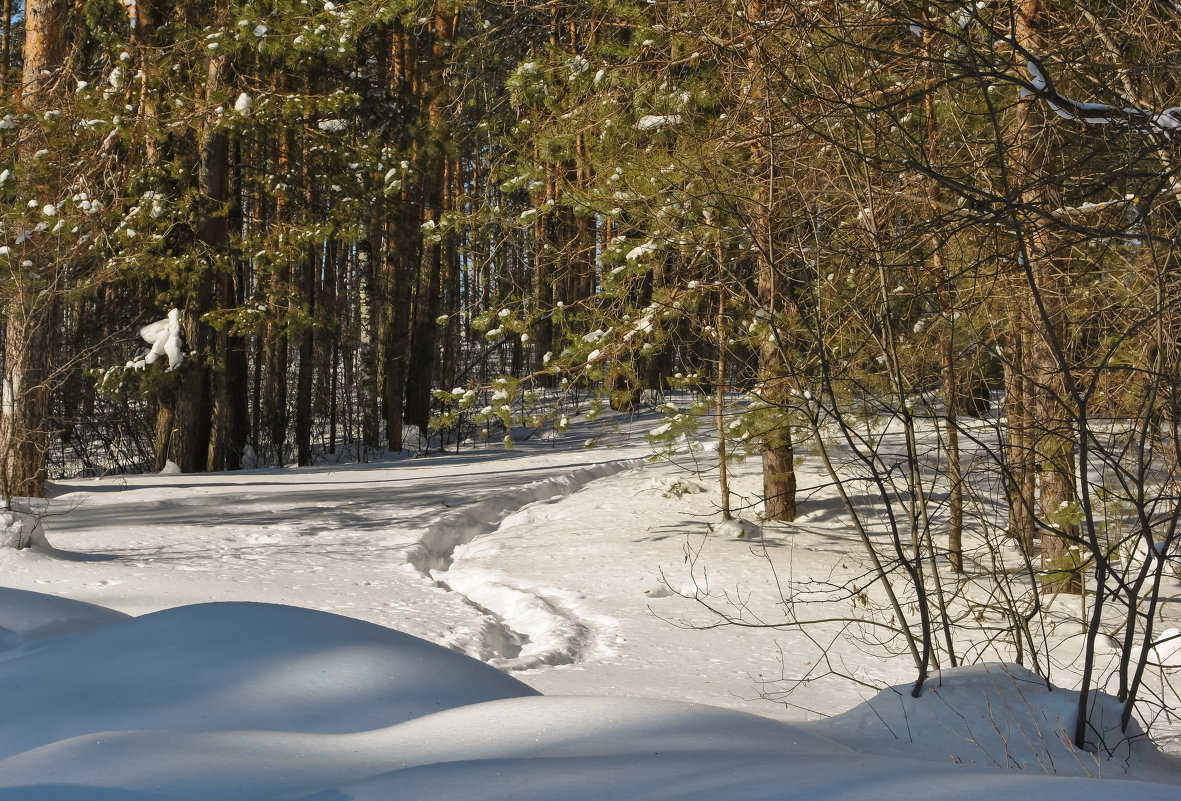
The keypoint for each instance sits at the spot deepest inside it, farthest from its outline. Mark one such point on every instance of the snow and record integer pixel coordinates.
(738, 528)
(20, 530)
(1001, 715)
(166, 339)
(1168, 652)
(654, 122)
(1164, 122)
(277, 634)
(640, 251)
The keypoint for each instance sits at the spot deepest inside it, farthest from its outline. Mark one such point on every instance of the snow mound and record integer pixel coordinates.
(21, 530)
(998, 715)
(534, 741)
(1167, 651)
(675, 487)
(30, 616)
(737, 528)
(234, 666)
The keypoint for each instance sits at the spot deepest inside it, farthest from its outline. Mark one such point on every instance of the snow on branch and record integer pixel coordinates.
(1166, 122)
(166, 338)
(652, 122)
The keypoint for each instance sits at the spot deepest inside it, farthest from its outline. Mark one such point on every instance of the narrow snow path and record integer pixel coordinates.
(518, 627)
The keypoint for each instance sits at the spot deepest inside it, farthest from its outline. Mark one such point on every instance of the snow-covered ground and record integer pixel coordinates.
(571, 570)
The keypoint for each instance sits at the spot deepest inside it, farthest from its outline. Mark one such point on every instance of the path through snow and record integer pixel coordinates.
(517, 627)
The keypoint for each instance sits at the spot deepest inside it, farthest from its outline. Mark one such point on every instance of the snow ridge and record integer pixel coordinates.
(521, 628)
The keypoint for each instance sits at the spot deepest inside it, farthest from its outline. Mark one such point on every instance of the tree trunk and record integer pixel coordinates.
(1054, 439)
(189, 443)
(403, 258)
(947, 303)
(32, 295)
(236, 420)
(306, 297)
(45, 46)
(779, 476)
(276, 351)
(5, 45)
(24, 420)
(303, 386)
(213, 233)
(421, 367)
(720, 411)
(423, 356)
(1020, 478)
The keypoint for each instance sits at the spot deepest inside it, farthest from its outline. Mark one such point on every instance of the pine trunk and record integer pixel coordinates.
(213, 233)
(779, 477)
(947, 309)
(423, 351)
(5, 45)
(402, 257)
(31, 297)
(24, 420)
(306, 298)
(1054, 440)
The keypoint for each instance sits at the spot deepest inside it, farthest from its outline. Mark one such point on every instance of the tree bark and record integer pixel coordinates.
(277, 345)
(306, 294)
(24, 418)
(720, 411)
(367, 347)
(229, 365)
(5, 45)
(423, 355)
(1054, 439)
(30, 302)
(1020, 486)
(778, 455)
(402, 257)
(947, 304)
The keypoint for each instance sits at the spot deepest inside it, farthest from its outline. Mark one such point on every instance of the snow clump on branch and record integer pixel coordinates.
(166, 338)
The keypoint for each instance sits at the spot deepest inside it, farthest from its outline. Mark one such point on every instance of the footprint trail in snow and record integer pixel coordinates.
(519, 627)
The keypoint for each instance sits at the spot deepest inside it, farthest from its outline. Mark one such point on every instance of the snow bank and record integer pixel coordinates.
(234, 666)
(21, 530)
(31, 616)
(739, 529)
(994, 715)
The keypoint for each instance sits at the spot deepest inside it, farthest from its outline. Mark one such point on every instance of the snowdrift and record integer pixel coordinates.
(259, 701)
